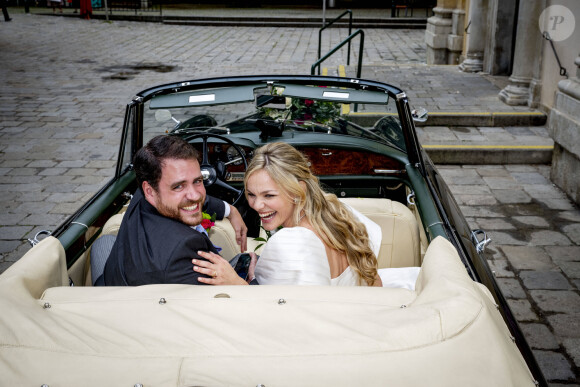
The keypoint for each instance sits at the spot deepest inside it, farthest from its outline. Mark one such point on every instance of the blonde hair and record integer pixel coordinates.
(331, 219)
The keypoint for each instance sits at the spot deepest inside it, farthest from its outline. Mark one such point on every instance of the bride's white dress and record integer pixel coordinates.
(296, 256)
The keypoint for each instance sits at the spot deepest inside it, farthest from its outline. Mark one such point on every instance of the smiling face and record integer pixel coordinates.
(181, 193)
(272, 204)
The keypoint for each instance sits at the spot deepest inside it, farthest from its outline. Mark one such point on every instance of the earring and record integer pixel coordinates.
(296, 200)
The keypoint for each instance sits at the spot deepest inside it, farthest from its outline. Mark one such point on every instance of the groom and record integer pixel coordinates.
(156, 242)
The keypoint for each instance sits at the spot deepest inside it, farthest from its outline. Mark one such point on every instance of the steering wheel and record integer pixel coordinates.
(215, 175)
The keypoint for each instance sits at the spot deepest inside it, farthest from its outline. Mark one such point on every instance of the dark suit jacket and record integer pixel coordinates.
(153, 249)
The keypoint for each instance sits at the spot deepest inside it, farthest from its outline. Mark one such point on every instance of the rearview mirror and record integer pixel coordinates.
(162, 115)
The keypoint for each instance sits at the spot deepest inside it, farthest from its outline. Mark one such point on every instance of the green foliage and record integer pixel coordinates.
(264, 240)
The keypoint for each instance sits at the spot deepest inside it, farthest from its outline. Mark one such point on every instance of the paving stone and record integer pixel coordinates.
(557, 204)
(564, 253)
(532, 221)
(470, 190)
(495, 224)
(573, 232)
(565, 325)
(22, 248)
(11, 219)
(572, 347)
(549, 238)
(511, 288)
(13, 232)
(573, 216)
(471, 200)
(548, 280)
(528, 258)
(480, 211)
(570, 269)
(554, 365)
(546, 192)
(539, 336)
(501, 183)
(53, 171)
(533, 178)
(511, 196)
(65, 197)
(555, 300)
(71, 164)
(101, 164)
(41, 164)
(500, 268)
(461, 176)
(503, 238)
(35, 207)
(522, 309)
(23, 172)
(44, 221)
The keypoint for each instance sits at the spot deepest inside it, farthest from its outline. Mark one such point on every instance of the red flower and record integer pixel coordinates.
(207, 224)
(308, 116)
(308, 102)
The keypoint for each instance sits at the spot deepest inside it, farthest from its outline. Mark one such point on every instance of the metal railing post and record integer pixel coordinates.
(347, 40)
(328, 25)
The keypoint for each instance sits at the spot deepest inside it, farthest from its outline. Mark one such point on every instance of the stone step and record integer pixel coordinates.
(481, 119)
(490, 154)
(472, 143)
(401, 23)
(487, 145)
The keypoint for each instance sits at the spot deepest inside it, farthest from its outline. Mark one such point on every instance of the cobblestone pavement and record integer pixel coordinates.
(65, 83)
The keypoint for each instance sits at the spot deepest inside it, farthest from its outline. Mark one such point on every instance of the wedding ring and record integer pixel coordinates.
(214, 274)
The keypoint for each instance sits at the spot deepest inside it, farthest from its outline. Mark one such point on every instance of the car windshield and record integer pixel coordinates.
(273, 110)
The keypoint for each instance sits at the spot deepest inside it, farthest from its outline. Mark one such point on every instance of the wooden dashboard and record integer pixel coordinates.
(323, 161)
(327, 161)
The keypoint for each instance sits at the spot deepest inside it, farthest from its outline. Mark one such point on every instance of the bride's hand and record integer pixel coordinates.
(219, 270)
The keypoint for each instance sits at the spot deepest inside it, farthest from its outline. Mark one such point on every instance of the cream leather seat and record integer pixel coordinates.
(400, 246)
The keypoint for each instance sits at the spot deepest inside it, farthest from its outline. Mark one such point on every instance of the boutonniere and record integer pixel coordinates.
(207, 221)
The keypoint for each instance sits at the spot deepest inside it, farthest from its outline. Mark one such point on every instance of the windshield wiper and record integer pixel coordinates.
(202, 129)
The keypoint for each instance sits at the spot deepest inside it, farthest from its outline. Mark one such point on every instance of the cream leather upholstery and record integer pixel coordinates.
(400, 246)
(448, 334)
(397, 223)
(222, 234)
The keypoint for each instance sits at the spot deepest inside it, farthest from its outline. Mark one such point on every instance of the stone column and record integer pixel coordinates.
(534, 95)
(438, 28)
(475, 37)
(527, 50)
(455, 38)
(564, 125)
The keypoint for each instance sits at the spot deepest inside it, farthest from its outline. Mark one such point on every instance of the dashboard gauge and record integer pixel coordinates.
(233, 156)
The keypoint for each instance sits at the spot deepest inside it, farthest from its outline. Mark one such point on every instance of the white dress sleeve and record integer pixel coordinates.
(293, 256)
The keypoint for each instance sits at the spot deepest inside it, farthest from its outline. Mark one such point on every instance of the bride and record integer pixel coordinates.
(320, 240)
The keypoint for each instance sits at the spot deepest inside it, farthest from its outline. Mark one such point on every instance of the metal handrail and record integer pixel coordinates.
(563, 71)
(347, 40)
(332, 22)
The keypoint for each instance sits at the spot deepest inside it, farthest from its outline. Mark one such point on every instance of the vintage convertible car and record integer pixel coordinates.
(453, 329)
